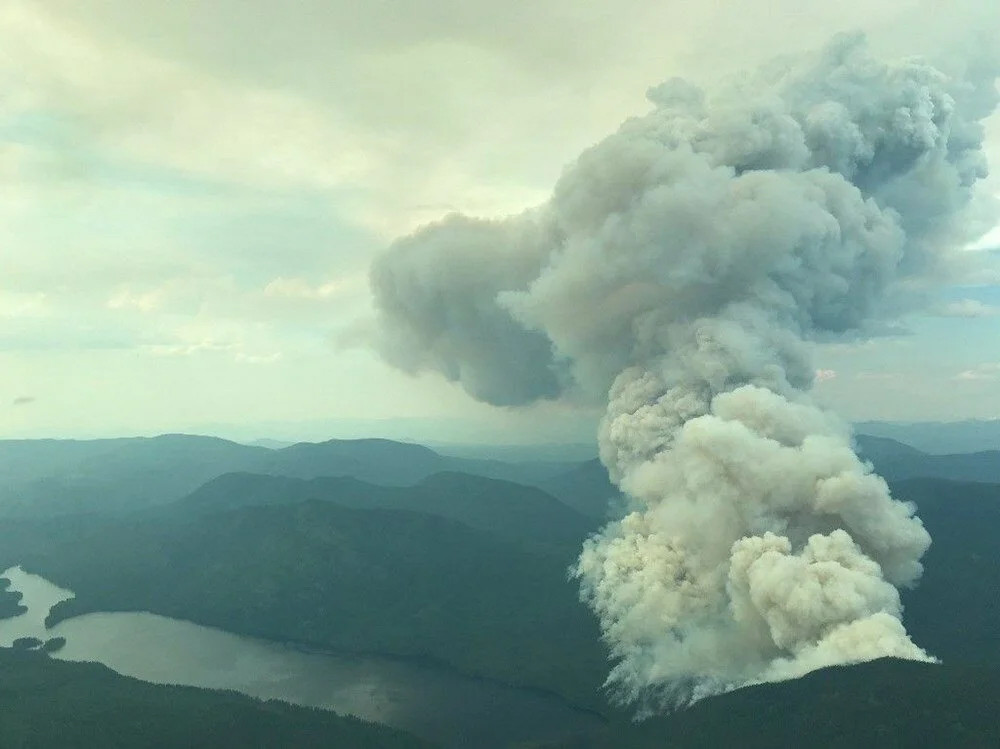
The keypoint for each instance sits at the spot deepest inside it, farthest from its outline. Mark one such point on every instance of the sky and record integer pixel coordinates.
(191, 194)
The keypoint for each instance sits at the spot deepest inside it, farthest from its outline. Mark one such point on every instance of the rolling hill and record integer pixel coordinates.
(46, 478)
(885, 703)
(503, 508)
(897, 461)
(584, 487)
(940, 437)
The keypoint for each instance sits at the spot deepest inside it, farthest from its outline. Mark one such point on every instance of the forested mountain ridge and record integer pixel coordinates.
(503, 508)
(886, 703)
(43, 478)
(897, 461)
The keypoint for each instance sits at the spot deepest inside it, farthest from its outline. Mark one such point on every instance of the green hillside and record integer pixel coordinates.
(886, 704)
(506, 509)
(47, 478)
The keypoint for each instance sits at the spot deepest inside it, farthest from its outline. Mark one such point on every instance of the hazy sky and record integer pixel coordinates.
(192, 192)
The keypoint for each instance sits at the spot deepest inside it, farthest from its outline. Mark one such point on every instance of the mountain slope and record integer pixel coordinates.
(382, 461)
(940, 437)
(508, 510)
(585, 487)
(59, 477)
(46, 478)
(954, 612)
(886, 703)
(897, 461)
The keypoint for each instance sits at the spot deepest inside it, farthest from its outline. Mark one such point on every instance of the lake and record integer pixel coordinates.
(432, 702)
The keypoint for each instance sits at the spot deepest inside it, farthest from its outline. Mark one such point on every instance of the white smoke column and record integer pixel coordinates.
(681, 266)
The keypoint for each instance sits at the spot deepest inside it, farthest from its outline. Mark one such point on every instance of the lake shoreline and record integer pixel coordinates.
(424, 661)
(415, 693)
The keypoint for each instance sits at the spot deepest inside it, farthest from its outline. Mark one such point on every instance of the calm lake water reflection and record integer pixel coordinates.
(434, 703)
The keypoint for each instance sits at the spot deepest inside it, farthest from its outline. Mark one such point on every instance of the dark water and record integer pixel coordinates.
(431, 702)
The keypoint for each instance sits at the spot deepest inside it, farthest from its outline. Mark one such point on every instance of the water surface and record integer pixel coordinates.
(429, 701)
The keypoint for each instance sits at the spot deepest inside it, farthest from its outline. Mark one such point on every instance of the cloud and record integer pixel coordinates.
(877, 376)
(984, 371)
(163, 111)
(154, 170)
(968, 308)
(188, 349)
(259, 358)
(824, 375)
(20, 305)
(989, 241)
(301, 289)
(143, 302)
(463, 104)
(23, 400)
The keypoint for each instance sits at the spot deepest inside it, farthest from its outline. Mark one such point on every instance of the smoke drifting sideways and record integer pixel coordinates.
(681, 268)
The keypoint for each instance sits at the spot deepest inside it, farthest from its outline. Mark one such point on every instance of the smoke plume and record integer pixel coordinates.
(682, 267)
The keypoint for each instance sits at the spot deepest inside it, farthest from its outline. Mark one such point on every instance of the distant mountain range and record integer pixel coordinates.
(40, 478)
(896, 461)
(939, 437)
(43, 478)
(511, 511)
(586, 488)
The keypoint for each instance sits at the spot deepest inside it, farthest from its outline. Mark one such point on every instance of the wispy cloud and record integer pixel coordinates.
(877, 376)
(23, 400)
(989, 241)
(298, 288)
(124, 299)
(984, 371)
(14, 304)
(271, 358)
(187, 349)
(968, 308)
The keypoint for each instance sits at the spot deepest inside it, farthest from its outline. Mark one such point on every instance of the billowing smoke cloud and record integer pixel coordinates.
(682, 266)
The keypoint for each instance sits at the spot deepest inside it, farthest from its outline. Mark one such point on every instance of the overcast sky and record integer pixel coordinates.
(192, 193)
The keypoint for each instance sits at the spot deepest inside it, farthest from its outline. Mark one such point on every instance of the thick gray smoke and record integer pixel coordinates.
(681, 266)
